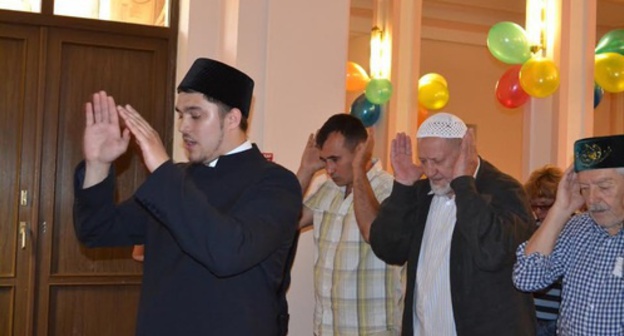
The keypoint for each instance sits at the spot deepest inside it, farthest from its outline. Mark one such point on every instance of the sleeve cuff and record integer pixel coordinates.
(102, 191)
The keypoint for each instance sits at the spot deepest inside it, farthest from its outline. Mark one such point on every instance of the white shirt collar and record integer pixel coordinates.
(243, 147)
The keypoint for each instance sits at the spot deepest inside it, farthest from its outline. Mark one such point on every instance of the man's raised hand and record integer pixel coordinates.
(405, 171)
(152, 148)
(103, 141)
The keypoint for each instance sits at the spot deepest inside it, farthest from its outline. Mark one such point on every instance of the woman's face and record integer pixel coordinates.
(540, 207)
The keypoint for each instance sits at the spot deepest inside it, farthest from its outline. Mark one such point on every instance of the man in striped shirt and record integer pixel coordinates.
(356, 294)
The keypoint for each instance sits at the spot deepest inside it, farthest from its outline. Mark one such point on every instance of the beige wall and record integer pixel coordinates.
(472, 73)
(296, 51)
(299, 75)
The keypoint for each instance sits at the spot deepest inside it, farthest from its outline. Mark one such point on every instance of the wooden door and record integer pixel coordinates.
(84, 291)
(19, 126)
(49, 283)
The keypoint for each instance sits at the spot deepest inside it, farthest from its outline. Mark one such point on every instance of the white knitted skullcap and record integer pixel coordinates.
(442, 125)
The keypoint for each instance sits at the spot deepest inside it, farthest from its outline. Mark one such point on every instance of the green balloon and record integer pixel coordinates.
(612, 41)
(507, 41)
(378, 91)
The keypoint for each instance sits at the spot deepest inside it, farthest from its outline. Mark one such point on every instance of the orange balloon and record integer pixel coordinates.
(357, 78)
(421, 116)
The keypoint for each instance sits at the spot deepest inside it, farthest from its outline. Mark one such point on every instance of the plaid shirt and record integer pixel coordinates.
(591, 264)
(356, 293)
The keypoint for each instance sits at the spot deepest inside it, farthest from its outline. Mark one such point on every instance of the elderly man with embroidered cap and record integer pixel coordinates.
(217, 230)
(587, 251)
(458, 230)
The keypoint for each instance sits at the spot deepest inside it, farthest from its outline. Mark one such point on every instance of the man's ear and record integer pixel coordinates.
(233, 118)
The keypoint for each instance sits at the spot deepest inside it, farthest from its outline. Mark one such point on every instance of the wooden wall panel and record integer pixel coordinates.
(19, 65)
(49, 68)
(12, 65)
(133, 71)
(6, 310)
(93, 310)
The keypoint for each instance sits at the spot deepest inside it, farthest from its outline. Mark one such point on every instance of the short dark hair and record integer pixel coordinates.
(349, 126)
(223, 109)
(543, 182)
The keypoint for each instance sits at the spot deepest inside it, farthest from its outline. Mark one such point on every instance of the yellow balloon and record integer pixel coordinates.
(433, 95)
(432, 77)
(357, 78)
(609, 71)
(539, 77)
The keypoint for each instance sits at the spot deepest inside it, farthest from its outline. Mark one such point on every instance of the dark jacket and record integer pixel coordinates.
(493, 218)
(216, 242)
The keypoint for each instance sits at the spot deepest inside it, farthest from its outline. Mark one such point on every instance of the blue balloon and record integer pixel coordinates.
(366, 111)
(598, 93)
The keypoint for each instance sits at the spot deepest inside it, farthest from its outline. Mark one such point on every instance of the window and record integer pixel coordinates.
(145, 12)
(33, 6)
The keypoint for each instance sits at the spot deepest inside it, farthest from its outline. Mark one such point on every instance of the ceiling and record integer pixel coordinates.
(609, 13)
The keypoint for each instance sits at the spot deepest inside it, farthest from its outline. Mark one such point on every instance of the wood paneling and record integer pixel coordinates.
(93, 310)
(10, 142)
(50, 68)
(6, 310)
(133, 71)
(19, 52)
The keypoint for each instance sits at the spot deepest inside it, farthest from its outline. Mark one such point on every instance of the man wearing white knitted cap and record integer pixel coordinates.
(458, 230)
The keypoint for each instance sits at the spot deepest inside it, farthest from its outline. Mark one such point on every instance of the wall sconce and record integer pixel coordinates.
(380, 53)
(540, 25)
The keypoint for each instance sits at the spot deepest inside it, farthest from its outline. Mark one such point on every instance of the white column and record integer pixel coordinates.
(552, 124)
(575, 107)
(406, 36)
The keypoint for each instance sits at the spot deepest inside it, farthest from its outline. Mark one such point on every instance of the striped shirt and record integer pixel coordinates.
(547, 302)
(356, 293)
(433, 313)
(590, 262)
(433, 308)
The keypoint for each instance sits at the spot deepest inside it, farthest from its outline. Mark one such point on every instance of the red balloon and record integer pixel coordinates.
(508, 90)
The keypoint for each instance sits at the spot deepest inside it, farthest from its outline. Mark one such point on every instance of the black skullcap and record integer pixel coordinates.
(221, 82)
(599, 152)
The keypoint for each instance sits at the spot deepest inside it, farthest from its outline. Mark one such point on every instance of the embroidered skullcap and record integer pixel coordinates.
(221, 82)
(599, 152)
(442, 125)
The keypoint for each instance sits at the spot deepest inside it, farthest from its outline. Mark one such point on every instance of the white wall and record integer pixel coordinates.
(296, 51)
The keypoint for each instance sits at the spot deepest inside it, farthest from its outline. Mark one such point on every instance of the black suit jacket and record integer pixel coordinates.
(217, 243)
(493, 218)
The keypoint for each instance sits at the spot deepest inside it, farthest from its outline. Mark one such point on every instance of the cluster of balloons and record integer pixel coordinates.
(433, 94)
(530, 76)
(609, 64)
(377, 91)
